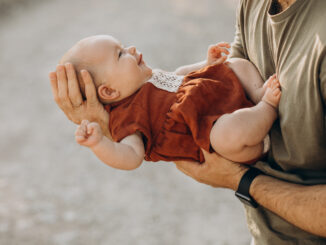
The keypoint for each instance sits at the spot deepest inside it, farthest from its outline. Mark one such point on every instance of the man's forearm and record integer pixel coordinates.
(303, 206)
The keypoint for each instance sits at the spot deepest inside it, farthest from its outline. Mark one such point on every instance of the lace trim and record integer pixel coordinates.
(167, 81)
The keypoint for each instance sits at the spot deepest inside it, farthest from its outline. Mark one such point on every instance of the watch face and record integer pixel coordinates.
(246, 200)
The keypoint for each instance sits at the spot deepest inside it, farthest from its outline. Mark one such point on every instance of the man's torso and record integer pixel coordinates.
(291, 44)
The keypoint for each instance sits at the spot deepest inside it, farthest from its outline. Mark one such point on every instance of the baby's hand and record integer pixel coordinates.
(214, 53)
(88, 133)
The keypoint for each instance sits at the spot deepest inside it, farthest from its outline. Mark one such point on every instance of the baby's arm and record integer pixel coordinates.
(214, 56)
(249, 78)
(128, 154)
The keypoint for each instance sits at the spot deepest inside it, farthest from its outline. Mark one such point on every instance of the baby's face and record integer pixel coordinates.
(123, 69)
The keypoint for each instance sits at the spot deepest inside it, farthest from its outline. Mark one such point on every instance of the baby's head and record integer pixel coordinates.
(117, 72)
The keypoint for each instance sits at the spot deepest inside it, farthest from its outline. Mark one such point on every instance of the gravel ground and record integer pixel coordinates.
(53, 191)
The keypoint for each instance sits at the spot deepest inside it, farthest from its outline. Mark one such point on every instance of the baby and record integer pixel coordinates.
(170, 116)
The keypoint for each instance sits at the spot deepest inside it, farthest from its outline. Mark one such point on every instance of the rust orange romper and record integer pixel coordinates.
(175, 126)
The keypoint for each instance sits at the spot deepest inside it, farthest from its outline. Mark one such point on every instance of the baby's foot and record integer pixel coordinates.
(273, 92)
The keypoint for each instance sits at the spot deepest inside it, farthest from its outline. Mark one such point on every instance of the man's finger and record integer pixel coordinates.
(210, 157)
(189, 168)
(90, 89)
(54, 85)
(73, 86)
(62, 87)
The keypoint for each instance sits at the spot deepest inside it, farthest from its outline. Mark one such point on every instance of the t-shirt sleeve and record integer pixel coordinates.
(237, 47)
(127, 120)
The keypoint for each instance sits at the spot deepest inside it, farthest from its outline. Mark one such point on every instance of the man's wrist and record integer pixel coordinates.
(238, 176)
(243, 191)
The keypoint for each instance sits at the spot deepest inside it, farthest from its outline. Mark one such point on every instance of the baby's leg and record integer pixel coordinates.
(249, 78)
(239, 136)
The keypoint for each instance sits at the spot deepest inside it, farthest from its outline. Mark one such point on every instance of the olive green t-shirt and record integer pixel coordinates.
(292, 44)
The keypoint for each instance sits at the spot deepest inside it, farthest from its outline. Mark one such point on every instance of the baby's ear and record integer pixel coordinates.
(107, 94)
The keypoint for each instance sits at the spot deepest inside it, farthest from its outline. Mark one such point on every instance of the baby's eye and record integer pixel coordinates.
(120, 53)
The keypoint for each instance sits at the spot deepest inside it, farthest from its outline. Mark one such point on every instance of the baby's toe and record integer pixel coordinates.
(275, 84)
(270, 81)
(276, 92)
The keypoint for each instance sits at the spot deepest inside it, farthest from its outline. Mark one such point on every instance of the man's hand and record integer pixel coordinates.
(66, 93)
(303, 206)
(215, 53)
(215, 171)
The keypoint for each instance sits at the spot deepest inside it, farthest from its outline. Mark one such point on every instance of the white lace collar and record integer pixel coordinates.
(167, 81)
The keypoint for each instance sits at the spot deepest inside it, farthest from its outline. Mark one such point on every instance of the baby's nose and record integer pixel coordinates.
(132, 50)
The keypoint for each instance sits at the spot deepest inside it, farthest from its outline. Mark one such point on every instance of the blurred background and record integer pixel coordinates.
(53, 191)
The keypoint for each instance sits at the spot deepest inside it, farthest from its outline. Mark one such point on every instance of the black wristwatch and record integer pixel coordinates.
(243, 189)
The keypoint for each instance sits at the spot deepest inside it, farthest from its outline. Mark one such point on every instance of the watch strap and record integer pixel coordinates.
(244, 186)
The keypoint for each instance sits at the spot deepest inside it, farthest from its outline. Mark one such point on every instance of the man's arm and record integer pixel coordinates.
(303, 206)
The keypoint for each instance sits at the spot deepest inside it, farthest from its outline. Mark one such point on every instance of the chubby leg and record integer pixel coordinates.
(239, 136)
(249, 78)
